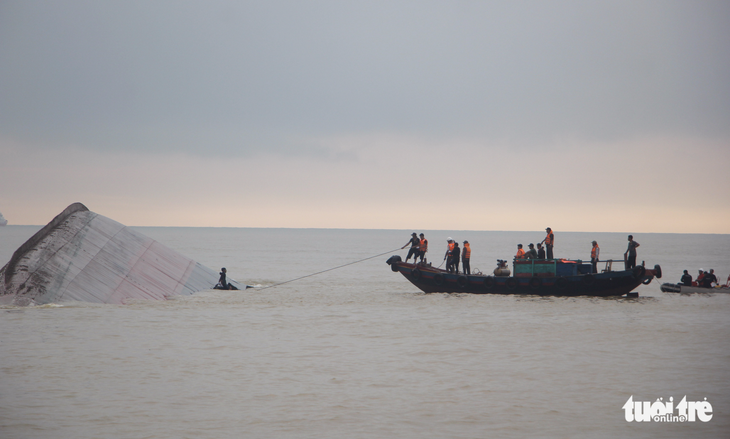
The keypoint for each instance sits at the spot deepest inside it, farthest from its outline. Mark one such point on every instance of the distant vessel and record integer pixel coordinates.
(3, 221)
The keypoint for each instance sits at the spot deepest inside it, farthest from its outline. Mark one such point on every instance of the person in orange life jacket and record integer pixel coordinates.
(549, 241)
(449, 252)
(423, 248)
(466, 257)
(531, 253)
(631, 252)
(686, 279)
(455, 258)
(698, 281)
(520, 253)
(415, 245)
(540, 251)
(595, 251)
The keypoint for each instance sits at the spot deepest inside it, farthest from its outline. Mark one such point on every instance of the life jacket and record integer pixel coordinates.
(520, 254)
(550, 238)
(424, 245)
(466, 254)
(451, 247)
(594, 252)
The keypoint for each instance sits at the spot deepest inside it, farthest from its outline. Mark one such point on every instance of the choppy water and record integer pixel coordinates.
(360, 353)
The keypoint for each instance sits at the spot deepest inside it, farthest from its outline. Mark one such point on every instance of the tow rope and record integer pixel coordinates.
(330, 269)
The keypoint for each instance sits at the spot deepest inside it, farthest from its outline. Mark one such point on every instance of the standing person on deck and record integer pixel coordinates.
(595, 251)
(540, 251)
(631, 252)
(549, 241)
(455, 258)
(423, 248)
(449, 252)
(466, 257)
(415, 246)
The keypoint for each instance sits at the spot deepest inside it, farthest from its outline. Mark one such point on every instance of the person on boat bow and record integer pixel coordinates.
(631, 252)
(449, 252)
(423, 248)
(415, 247)
(455, 258)
(466, 258)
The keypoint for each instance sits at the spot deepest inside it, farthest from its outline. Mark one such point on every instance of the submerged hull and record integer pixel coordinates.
(684, 289)
(434, 280)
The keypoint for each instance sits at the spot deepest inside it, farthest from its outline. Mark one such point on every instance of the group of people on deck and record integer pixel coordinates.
(419, 247)
(705, 279)
(454, 253)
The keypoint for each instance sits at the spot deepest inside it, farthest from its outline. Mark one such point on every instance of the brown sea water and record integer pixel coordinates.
(360, 353)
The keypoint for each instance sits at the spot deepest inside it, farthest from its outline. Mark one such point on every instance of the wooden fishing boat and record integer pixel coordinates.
(688, 289)
(532, 277)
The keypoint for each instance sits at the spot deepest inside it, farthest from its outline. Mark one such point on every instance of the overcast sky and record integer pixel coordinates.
(489, 115)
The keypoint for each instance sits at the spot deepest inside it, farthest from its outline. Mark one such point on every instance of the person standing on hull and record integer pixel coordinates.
(466, 258)
(449, 252)
(455, 258)
(631, 252)
(595, 252)
(549, 241)
(415, 246)
(423, 248)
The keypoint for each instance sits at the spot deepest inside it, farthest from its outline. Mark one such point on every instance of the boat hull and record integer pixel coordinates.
(434, 280)
(684, 289)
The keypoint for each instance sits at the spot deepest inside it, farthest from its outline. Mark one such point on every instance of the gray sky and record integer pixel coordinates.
(596, 116)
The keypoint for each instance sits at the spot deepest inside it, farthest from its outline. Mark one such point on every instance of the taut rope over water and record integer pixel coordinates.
(330, 269)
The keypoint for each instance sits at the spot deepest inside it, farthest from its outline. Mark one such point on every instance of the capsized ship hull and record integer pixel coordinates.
(83, 256)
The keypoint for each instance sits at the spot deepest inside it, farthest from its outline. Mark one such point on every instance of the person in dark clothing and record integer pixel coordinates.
(455, 258)
(540, 251)
(631, 253)
(223, 282)
(466, 258)
(686, 279)
(415, 247)
(709, 279)
(531, 253)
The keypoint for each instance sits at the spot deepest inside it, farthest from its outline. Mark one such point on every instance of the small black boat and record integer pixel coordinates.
(560, 278)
